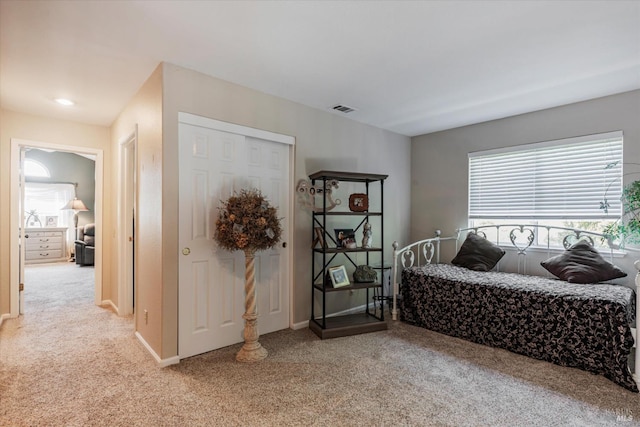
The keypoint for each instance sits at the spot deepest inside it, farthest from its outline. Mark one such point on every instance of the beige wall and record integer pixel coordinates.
(323, 140)
(39, 129)
(439, 178)
(145, 111)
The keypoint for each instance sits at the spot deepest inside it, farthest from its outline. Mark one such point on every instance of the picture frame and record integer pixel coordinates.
(345, 237)
(319, 238)
(339, 276)
(51, 221)
(358, 202)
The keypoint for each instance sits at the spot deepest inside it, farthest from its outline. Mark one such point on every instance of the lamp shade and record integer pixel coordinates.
(75, 205)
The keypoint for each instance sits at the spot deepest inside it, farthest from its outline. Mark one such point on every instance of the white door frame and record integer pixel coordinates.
(192, 119)
(127, 206)
(14, 255)
(23, 250)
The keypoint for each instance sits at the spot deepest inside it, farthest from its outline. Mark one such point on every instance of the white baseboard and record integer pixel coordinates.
(111, 304)
(4, 316)
(353, 310)
(161, 362)
(300, 325)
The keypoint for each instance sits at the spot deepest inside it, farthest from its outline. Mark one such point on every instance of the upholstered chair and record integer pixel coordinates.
(85, 245)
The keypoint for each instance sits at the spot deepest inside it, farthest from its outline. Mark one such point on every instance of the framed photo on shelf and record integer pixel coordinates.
(51, 221)
(359, 202)
(319, 238)
(345, 238)
(339, 276)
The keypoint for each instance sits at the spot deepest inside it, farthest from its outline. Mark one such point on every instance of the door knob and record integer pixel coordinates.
(284, 244)
(186, 251)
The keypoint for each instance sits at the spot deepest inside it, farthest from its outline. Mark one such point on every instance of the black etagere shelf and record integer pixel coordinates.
(324, 324)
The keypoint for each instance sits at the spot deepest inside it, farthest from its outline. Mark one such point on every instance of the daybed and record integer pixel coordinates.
(582, 325)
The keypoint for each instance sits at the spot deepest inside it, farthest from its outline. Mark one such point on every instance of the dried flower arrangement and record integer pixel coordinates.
(248, 222)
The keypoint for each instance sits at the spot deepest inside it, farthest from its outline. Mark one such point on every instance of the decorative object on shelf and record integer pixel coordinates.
(32, 219)
(339, 276)
(364, 274)
(247, 222)
(319, 239)
(345, 238)
(76, 205)
(367, 235)
(359, 202)
(307, 193)
(51, 221)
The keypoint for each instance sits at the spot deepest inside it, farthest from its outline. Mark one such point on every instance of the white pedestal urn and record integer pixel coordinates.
(252, 350)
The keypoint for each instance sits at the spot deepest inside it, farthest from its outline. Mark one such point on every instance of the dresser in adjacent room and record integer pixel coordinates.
(45, 245)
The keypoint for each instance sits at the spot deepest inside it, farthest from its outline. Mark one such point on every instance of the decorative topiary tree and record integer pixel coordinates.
(247, 222)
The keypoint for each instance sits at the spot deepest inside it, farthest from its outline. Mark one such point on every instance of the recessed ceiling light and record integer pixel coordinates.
(65, 102)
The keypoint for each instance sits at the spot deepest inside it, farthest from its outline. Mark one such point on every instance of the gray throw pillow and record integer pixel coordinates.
(582, 263)
(477, 253)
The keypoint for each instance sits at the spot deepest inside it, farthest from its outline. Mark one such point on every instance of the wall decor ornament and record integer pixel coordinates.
(247, 222)
(307, 193)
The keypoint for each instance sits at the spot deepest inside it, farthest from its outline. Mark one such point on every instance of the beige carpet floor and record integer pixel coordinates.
(67, 362)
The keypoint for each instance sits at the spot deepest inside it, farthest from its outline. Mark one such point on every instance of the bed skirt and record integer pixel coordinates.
(573, 325)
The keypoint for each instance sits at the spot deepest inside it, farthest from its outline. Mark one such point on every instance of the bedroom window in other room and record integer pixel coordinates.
(560, 183)
(43, 204)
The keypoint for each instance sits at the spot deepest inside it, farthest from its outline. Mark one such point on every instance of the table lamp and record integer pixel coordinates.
(76, 206)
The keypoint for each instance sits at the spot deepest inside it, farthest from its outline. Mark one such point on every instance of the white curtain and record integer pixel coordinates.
(45, 201)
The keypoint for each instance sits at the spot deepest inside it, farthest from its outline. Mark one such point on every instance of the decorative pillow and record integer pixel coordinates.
(582, 263)
(477, 253)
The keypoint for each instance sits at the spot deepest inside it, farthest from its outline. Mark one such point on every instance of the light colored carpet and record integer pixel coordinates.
(67, 362)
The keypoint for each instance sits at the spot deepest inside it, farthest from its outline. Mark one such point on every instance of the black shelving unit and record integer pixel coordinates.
(323, 324)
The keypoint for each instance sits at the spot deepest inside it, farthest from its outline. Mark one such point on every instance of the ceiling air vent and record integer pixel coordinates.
(343, 108)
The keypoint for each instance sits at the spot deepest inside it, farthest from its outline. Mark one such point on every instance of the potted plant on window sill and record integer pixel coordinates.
(626, 230)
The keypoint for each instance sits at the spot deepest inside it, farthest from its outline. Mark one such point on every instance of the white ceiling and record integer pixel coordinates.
(412, 67)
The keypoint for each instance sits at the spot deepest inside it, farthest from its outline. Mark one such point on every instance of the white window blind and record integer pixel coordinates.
(565, 179)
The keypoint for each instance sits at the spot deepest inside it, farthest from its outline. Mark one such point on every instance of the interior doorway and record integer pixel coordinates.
(17, 217)
(127, 208)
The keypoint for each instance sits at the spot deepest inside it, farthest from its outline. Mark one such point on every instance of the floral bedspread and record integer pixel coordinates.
(581, 326)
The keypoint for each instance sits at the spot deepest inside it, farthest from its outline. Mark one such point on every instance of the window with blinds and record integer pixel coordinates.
(555, 180)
